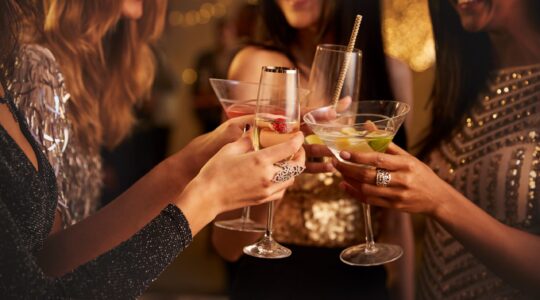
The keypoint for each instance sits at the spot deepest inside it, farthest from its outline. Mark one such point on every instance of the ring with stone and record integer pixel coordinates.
(383, 177)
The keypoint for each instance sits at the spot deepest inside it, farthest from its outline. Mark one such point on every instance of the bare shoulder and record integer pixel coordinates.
(247, 64)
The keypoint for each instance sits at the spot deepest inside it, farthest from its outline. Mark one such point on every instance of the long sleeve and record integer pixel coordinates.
(124, 272)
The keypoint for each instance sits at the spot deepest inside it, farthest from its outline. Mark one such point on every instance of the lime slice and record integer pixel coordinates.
(352, 145)
(380, 144)
(313, 139)
(349, 131)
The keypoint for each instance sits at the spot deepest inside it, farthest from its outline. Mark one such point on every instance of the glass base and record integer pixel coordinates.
(245, 225)
(267, 247)
(378, 255)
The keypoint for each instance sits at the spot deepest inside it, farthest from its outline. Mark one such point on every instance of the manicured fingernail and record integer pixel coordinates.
(345, 155)
(329, 167)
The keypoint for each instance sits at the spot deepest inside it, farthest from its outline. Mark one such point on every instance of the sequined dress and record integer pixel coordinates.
(27, 204)
(494, 160)
(39, 92)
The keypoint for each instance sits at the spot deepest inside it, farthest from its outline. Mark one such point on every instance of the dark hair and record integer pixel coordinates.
(338, 16)
(464, 61)
(12, 13)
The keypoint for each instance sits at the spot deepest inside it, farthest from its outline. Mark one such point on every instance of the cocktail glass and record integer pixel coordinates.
(366, 126)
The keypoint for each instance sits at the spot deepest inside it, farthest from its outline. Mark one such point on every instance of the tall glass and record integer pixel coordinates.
(277, 120)
(237, 99)
(325, 73)
(365, 126)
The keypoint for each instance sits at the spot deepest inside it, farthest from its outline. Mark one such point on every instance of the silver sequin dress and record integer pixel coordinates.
(39, 92)
(494, 160)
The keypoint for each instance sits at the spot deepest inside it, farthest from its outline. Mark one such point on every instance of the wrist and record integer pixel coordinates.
(443, 209)
(198, 204)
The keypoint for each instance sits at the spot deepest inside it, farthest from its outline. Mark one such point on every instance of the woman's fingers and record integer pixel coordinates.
(359, 175)
(377, 159)
(396, 150)
(364, 196)
(343, 104)
(316, 150)
(241, 121)
(319, 167)
(240, 146)
(283, 151)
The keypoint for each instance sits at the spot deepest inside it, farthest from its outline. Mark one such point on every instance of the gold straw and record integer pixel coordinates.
(346, 62)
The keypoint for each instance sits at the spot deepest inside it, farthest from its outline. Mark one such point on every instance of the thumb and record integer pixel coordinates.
(240, 146)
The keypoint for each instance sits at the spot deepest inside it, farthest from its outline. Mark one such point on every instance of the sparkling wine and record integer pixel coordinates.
(271, 129)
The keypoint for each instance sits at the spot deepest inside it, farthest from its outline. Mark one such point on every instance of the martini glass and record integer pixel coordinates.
(237, 99)
(366, 126)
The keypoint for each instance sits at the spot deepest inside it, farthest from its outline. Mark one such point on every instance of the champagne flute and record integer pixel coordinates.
(370, 129)
(237, 99)
(277, 120)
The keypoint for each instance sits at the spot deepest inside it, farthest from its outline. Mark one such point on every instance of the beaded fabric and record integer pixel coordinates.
(493, 160)
(27, 205)
(39, 92)
(316, 212)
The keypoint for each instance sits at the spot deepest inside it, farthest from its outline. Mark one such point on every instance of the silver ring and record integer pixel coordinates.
(287, 171)
(383, 178)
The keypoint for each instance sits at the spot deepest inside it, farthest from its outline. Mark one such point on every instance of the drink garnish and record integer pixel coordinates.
(280, 125)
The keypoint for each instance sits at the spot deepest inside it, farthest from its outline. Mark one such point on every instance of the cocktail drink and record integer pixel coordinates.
(367, 126)
(237, 99)
(276, 120)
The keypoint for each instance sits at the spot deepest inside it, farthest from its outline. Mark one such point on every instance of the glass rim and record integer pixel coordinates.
(402, 114)
(279, 69)
(232, 81)
(337, 48)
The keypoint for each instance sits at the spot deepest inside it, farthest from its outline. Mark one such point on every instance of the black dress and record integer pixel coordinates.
(28, 199)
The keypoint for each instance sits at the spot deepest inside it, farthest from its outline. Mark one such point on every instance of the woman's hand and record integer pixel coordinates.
(413, 186)
(237, 176)
(202, 148)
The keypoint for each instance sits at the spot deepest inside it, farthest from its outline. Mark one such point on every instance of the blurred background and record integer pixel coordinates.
(200, 39)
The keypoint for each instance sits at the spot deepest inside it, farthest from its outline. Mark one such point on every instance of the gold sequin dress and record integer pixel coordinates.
(315, 212)
(494, 160)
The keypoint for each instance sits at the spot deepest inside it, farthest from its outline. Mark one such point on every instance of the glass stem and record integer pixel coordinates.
(245, 214)
(269, 220)
(370, 244)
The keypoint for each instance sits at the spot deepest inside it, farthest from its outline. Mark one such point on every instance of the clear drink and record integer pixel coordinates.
(272, 130)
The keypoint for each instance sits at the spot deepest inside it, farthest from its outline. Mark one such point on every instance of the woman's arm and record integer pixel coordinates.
(511, 253)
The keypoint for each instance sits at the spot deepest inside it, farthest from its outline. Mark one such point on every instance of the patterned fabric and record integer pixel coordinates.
(39, 92)
(494, 160)
(27, 204)
(316, 212)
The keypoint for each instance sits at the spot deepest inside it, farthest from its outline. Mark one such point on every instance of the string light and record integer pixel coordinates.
(206, 12)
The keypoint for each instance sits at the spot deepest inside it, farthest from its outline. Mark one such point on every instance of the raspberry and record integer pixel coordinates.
(280, 125)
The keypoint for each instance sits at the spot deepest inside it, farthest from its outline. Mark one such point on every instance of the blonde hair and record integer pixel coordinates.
(106, 60)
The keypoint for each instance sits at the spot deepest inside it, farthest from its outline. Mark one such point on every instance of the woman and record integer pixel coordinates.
(479, 185)
(311, 218)
(141, 232)
(93, 63)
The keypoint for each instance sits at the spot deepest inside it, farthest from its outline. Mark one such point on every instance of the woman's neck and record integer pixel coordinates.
(519, 45)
